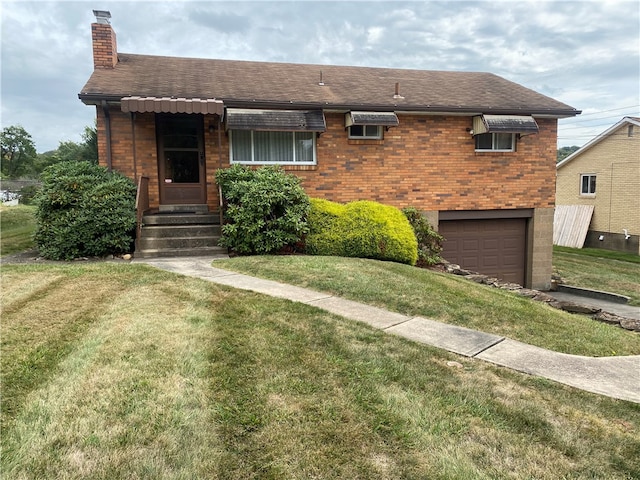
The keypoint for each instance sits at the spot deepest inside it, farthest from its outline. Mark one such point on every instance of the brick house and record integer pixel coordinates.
(474, 151)
(605, 173)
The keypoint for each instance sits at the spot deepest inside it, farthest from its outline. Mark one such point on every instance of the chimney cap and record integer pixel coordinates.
(102, 16)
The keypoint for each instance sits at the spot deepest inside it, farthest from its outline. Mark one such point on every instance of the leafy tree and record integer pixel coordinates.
(564, 152)
(18, 152)
(85, 151)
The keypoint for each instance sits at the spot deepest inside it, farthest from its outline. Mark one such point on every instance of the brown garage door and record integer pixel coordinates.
(495, 247)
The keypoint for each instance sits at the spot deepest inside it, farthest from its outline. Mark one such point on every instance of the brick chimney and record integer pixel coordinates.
(105, 51)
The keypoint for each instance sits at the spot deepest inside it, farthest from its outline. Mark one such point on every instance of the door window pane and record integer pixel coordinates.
(181, 167)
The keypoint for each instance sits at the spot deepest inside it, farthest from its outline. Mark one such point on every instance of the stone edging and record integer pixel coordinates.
(594, 312)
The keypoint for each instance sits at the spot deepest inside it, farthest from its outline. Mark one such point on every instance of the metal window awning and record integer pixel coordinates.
(172, 105)
(275, 120)
(385, 119)
(522, 124)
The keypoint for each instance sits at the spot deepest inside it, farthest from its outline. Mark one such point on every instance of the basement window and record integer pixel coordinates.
(588, 185)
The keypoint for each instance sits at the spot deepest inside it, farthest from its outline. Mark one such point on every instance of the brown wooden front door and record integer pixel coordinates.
(181, 159)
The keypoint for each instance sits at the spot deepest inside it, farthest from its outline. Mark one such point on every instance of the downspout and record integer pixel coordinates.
(107, 118)
(133, 137)
(219, 141)
(220, 201)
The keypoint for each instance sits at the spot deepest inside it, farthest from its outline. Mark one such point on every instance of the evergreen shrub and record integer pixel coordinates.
(265, 209)
(83, 210)
(361, 229)
(429, 241)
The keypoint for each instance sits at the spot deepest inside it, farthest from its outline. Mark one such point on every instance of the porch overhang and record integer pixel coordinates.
(522, 124)
(275, 120)
(385, 119)
(209, 106)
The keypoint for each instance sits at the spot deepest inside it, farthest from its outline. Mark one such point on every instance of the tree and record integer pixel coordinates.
(85, 151)
(564, 152)
(18, 152)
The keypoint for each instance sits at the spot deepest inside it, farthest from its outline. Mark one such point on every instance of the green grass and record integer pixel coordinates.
(123, 371)
(605, 270)
(444, 297)
(17, 225)
(598, 253)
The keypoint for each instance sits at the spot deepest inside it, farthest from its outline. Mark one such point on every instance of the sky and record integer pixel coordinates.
(583, 53)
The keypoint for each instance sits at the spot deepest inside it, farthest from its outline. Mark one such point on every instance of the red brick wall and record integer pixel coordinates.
(105, 51)
(430, 162)
(427, 161)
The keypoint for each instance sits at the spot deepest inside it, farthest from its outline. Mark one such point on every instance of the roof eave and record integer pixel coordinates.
(597, 139)
(97, 98)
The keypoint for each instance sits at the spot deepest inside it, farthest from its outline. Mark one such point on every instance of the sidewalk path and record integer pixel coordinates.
(622, 309)
(616, 377)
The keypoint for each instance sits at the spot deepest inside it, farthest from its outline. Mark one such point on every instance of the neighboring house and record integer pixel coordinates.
(605, 174)
(474, 151)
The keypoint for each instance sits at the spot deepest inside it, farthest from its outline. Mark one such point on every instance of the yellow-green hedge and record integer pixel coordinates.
(361, 229)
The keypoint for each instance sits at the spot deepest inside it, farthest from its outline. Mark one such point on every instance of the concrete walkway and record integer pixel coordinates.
(621, 309)
(616, 377)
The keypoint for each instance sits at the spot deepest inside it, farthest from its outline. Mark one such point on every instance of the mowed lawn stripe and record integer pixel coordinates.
(131, 391)
(179, 378)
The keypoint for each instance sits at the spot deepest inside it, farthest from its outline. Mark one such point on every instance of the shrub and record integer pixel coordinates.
(360, 229)
(84, 210)
(266, 209)
(429, 241)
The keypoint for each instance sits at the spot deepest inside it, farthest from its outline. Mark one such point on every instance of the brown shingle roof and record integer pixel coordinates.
(263, 84)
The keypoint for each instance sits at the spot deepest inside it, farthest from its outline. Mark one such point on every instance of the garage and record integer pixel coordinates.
(491, 246)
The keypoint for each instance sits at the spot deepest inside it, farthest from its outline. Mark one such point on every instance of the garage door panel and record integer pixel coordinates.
(489, 261)
(470, 245)
(490, 244)
(495, 247)
(512, 243)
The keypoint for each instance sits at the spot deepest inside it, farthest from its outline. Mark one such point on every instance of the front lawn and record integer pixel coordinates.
(599, 269)
(447, 298)
(17, 225)
(124, 371)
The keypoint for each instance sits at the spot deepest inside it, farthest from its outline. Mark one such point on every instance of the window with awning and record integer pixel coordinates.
(281, 137)
(275, 120)
(520, 124)
(369, 125)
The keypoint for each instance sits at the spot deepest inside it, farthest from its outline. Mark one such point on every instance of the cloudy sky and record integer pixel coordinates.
(583, 53)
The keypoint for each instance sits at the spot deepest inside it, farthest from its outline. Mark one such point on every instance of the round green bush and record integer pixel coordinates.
(361, 229)
(84, 211)
(265, 209)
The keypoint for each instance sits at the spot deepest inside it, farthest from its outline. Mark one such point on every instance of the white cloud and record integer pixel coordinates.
(584, 53)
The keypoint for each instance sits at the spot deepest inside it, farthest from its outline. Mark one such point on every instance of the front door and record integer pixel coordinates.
(181, 162)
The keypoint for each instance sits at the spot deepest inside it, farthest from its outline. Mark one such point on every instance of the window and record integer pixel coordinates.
(496, 142)
(252, 146)
(366, 131)
(587, 184)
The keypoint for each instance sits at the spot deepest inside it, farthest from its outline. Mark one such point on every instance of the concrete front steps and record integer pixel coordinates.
(179, 231)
